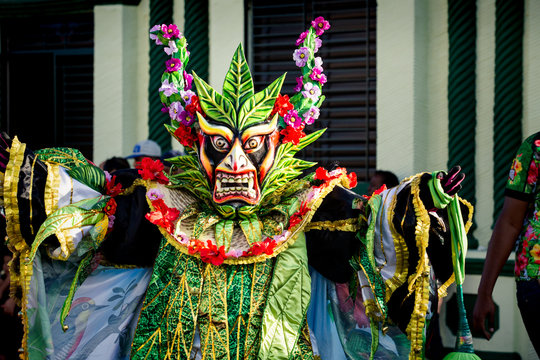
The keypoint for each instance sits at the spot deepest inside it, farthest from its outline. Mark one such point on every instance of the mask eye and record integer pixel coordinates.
(220, 143)
(253, 143)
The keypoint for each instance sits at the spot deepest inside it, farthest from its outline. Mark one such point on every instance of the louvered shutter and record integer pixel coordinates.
(348, 52)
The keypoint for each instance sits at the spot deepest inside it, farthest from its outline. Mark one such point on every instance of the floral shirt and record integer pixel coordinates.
(523, 184)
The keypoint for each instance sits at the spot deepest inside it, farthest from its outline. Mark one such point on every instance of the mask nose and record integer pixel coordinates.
(236, 160)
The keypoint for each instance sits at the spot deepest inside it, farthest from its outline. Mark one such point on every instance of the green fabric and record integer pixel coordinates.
(173, 295)
(225, 302)
(67, 157)
(288, 300)
(440, 198)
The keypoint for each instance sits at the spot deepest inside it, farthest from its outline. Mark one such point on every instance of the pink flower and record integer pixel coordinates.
(299, 83)
(320, 25)
(234, 253)
(173, 65)
(318, 63)
(532, 175)
(311, 91)
(168, 88)
(154, 194)
(188, 80)
(292, 119)
(186, 118)
(301, 56)
(175, 109)
(317, 75)
(537, 143)
(302, 37)
(318, 44)
(170, 32)
(171, 49)
(311, 115)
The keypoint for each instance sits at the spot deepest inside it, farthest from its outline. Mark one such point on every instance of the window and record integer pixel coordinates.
(348, 52)
(46, 67)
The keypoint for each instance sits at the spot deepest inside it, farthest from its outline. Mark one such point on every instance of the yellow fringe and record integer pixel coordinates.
(349, 225)
(21, 275)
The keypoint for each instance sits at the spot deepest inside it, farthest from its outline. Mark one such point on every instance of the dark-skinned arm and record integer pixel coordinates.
(503, 239)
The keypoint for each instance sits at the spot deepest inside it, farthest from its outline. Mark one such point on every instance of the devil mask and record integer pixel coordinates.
(240, 143)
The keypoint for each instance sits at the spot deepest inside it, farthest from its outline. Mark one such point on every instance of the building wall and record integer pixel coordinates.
(121, 67)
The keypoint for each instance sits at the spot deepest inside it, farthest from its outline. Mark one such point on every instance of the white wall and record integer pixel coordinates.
(120, 79)
(226, 32)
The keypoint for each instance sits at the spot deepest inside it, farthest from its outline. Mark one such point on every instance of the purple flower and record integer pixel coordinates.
(175, 109)
(293, 119)
(311, 115)
(320, 25)
(171, 49)
(111, 221)
(318, 63)
(234, 253)
(164, 109)
(108, 176)
(168, 88)
(154, 36)
(318, 44)
(181, 237)
(186, 118)
(311, 91)
(170, 31)
(186, 96)
(301, 56)
(317, 75)
(299, 83)
(188, 79)
(302, 37)
(154, 194)
(173, 65)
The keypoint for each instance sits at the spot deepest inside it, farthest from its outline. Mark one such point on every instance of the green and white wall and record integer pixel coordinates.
(444, 74)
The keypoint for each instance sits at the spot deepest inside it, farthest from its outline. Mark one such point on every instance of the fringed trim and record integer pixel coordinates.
(51, 188)
(419, 282)
(21, 274)
(402, 253)
(415, 329)
(349, 225)
(293, 232)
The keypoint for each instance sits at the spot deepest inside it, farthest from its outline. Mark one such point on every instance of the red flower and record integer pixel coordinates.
(185, 136)
(110, 207)
(532, 176)
(296, 218)
(352, 179)
(282, 105)
(163, 215)
(291, 134)
(376, 192)
(321, 174)
(111, 188)
(152, 170)
(537, 143)
(266, 246)
(194, 246)
(195, 106)
(212, 254)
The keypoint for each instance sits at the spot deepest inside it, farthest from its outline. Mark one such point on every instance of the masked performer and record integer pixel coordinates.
(211, 261)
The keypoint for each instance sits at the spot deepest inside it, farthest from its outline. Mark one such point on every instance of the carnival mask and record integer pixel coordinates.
(240, 144)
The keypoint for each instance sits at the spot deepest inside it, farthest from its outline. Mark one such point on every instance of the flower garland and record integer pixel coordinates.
(166, 218)
(303, 108)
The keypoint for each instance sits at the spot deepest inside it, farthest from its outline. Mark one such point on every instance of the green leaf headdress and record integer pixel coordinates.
(239, 108)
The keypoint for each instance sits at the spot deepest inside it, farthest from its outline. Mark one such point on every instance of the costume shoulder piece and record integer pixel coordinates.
(237, 197)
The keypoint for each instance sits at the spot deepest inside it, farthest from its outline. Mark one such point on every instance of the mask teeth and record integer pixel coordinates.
(235, 185)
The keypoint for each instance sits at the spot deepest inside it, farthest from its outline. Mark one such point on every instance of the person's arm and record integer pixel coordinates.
(503, 239)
